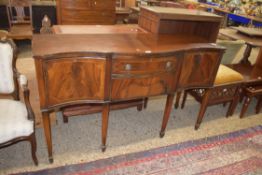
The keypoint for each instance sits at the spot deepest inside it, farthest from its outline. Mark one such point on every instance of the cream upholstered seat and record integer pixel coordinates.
(16, 118)
(13, 120)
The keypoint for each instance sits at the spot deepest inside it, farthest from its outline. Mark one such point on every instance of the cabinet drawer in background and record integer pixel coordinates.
(103, 5)
(87, 17)
(76, 4)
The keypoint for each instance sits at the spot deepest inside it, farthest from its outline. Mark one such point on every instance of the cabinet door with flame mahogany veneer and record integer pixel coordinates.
(199, 69)
(66, 84)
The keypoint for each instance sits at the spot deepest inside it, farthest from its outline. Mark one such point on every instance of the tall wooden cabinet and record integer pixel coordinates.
(86, 11)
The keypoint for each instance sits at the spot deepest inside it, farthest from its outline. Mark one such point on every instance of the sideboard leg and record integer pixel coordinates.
(178, 95)
(105, 114)
(168, 108)
(48, 135)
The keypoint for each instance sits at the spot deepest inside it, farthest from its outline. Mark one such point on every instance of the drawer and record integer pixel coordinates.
(103, 5)
(140, 87)
(127, 66)
(87, 17)
(142, 77)
(75, 4)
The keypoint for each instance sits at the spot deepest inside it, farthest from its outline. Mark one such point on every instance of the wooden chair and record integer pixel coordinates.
(250, 92)
(19, 14)
(16, 118)
(226, 87)
(253, 83)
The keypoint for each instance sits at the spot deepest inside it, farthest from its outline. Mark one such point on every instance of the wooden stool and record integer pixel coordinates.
(226, 89)
(249, 93)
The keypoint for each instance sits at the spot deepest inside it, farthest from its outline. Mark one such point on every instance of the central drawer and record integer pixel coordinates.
(142, 77)
(128, 66)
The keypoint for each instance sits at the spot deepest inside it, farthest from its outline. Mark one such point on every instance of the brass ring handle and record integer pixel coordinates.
(168, 64)
(128, 67)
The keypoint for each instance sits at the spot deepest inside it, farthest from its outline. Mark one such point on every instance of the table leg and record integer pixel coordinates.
(48, 135)
(246, 55)
(105, 114)
(168, 108)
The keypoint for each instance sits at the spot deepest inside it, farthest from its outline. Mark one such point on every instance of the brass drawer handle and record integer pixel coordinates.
(168, 64)
(128, 67)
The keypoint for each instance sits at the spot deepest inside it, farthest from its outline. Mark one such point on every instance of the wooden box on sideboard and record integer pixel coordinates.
(163, 20)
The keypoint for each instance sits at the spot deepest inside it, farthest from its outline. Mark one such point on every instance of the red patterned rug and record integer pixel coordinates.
(236, 153)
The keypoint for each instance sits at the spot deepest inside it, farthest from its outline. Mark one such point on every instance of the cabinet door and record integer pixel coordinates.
(199, 69)
(73, 79)
(143, 77)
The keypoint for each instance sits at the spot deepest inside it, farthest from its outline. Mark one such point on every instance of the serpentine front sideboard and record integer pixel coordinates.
(108, 67)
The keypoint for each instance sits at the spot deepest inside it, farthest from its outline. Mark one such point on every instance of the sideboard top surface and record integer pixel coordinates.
(183, 14)
(46, 45)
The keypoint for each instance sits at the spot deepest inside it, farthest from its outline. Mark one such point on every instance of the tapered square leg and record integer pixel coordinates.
(105, 115)
(168, 108)
(48, 135)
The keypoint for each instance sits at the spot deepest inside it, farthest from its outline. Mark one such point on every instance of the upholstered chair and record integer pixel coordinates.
(16, 117)
(227, 85)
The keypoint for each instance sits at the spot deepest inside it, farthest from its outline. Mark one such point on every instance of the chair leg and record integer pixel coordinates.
(233, 104)
(33, 148)
(259, 105)
(241, 95)
(145, 102)
(202, 108)
(65, 119)
(184, 100)
(178, 95)
(245, 106)
(140, 107)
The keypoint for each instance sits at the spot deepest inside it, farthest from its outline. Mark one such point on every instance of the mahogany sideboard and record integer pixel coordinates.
(117, 64)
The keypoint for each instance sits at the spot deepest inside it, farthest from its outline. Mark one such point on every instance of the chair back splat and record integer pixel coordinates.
(19, 14)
